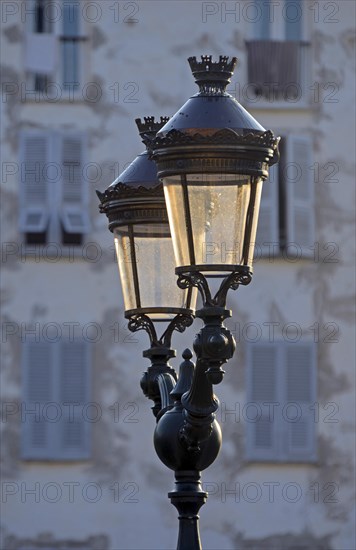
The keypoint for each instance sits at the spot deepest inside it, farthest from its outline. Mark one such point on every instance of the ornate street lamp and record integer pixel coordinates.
(212, 158)
(135, 206)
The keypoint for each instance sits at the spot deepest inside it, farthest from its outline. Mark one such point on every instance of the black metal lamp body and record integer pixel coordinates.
(212, 157)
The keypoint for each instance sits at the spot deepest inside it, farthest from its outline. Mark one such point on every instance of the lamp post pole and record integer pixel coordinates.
(212, 158)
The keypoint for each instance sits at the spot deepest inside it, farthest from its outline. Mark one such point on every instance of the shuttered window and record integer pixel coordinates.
(286, 223)
(54, 194)
(281, 392)
(299, 188)
(56, 389)
(34, 208)
(268, 221)
(54, 52)
(284, 23)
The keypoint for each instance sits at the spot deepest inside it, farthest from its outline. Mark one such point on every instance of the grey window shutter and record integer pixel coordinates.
(71, 18)
(299, 397)
(268, 222)
(262, 26)
(56, 387)
(34, 153)
(71, 47)
(74, 213)
(293, 24)
(300, 194)
(262, 377)
(38, 390)
(74, 395)
(284, 374)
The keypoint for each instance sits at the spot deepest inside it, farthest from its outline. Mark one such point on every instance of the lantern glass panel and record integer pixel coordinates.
(212, 217)
(146, 265)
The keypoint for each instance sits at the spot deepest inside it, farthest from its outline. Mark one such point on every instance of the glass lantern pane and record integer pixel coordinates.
(146, 265)
(251, 230)
(218, 206)
(216, 211)
(173, 192)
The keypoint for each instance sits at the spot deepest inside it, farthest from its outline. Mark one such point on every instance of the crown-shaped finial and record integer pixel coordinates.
(150, 126)
(211, 76)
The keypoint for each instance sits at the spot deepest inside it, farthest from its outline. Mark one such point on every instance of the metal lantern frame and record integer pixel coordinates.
(192, 143)
(136, 198)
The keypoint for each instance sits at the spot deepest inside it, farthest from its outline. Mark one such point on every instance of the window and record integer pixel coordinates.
(54, 54)
(56, 389)
(277, 53)
(53, 207)
(287, 221)
(282, 21)
(281, 393)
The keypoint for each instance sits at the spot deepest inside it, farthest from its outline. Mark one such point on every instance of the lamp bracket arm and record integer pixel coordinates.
(159, 379)
(166, 383)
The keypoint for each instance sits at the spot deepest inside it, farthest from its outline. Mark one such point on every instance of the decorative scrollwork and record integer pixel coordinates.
(233, 281)
(197, 279)
(121, 191)
(226, 136)
(143, 322)
(179, 323)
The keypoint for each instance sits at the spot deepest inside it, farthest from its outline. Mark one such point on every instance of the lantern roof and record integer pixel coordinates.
(212, 107)
(137, 187)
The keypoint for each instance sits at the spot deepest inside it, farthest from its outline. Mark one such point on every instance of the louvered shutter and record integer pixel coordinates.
(268, 222)
(74, 396)
(262, 372)
(299, 396)
(38, 389)
(299, 184)
(35, 154)
(293, 19)
(56, 387)
(74, 213)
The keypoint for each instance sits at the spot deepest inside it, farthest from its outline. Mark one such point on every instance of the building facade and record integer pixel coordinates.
(78, 465)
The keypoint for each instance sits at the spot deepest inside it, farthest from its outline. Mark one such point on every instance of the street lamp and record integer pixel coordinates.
(135, 206)
(212, 157)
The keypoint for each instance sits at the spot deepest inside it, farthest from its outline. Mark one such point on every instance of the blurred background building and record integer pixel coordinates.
(78, 465)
